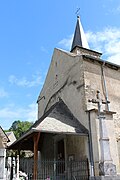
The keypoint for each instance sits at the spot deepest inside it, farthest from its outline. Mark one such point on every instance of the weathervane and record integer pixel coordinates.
(77, 12)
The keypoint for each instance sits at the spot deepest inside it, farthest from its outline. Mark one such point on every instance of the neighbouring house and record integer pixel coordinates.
(78, 116)
(3, 145)
(11, 136)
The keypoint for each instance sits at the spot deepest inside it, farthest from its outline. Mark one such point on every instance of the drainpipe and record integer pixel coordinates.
(105, 92)
(92, 170)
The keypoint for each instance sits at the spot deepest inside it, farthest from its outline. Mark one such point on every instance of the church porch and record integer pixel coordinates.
(60, 156)
(57, 137)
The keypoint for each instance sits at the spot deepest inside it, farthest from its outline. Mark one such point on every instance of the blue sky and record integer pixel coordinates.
(29, 32)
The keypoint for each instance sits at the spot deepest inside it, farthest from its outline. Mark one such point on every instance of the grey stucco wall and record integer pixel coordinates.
(67, 85)
(76, 146)
(93, 82)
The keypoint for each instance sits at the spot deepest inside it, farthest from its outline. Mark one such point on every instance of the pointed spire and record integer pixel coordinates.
(79, 36)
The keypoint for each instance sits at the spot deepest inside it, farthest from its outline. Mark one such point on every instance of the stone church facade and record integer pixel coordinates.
(78, 111)
(76, 77)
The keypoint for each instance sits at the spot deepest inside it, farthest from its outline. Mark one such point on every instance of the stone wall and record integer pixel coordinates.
(65, 80)
(93, 82)
(76, 146)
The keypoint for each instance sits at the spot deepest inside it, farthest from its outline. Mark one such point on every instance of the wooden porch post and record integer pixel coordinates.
(36, 140)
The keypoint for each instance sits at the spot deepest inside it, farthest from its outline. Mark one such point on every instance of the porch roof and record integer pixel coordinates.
(58, 120)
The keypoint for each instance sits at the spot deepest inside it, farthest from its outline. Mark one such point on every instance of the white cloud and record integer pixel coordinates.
(66, 42)
(36, 80)
(115, 10)
(43, 49)
(106, 41)
(3, 93)
(118, 9)
(11, 113)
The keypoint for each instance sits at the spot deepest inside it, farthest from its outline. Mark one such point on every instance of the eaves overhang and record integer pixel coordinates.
(101, 61)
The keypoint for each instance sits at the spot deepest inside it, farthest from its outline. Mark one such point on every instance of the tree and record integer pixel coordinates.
(20, 127)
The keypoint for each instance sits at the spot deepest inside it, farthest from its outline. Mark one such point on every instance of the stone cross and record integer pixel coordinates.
(106, 165)
(99, 101)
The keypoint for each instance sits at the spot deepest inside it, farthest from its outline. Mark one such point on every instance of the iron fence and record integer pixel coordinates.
(57, 170)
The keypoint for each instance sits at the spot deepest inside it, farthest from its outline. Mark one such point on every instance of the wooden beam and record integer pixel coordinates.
(36, 140)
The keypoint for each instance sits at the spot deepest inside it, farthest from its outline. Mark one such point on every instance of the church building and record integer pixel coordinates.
(78, 116)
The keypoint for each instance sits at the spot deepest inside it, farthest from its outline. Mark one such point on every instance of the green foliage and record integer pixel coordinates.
(20, 127)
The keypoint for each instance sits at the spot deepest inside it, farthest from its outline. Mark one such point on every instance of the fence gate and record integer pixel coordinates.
(57, 170)
(79, 170)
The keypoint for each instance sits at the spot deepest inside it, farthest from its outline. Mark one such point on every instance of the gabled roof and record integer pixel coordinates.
(60, 120)
(57, 120)
(79, 38)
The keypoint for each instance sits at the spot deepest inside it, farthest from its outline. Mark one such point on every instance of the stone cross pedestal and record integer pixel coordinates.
(106, 166)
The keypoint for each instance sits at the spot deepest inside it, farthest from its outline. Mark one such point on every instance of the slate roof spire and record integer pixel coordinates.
(79, 38)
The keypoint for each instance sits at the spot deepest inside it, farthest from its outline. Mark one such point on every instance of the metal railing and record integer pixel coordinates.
(57, 170)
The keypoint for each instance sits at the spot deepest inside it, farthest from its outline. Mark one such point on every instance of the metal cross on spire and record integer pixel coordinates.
(77, 12)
